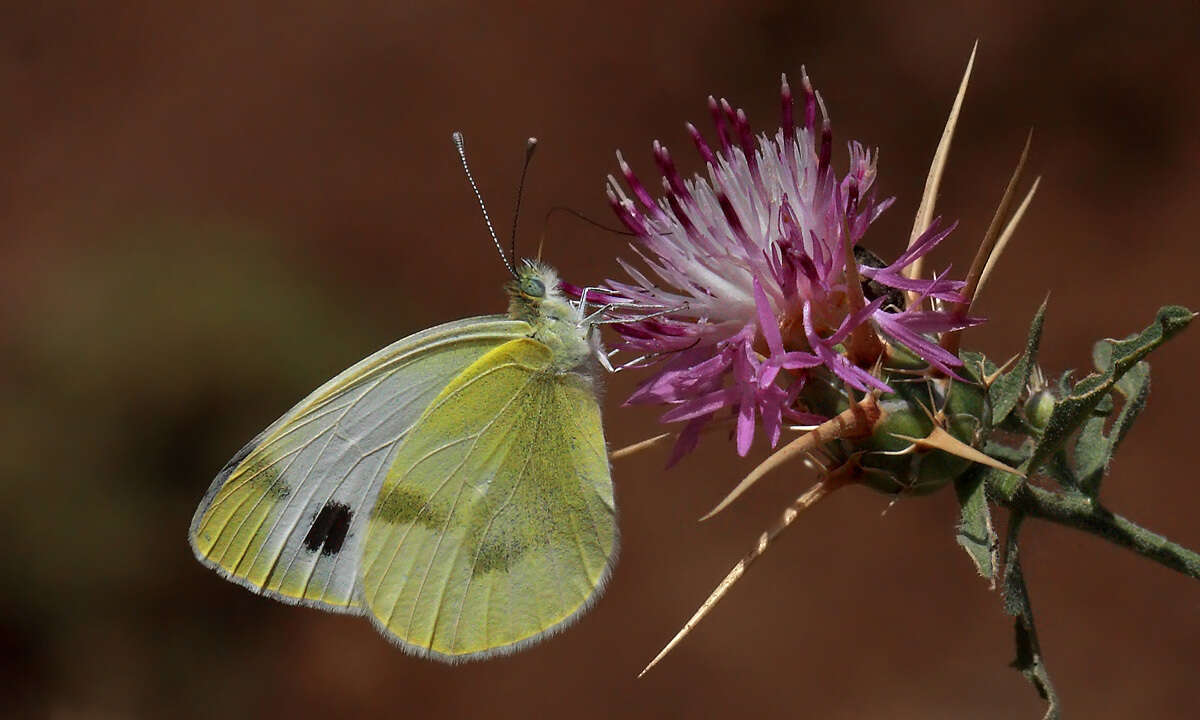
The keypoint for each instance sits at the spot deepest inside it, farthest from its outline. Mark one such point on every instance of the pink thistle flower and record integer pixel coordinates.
(751, 276)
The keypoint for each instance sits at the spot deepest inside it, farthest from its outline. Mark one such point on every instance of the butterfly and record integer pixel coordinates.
(453, 487)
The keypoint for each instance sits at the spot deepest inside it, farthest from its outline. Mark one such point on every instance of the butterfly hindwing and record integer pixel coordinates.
(287, 515)
(496, 522)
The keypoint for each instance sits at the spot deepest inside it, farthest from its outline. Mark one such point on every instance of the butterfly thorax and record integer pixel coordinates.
(534, 297)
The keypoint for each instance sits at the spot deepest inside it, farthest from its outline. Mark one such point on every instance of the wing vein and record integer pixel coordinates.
(453, 508)
(491, 521)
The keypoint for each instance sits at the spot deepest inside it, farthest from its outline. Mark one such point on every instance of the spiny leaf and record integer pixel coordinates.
(1029, 660)
(1135, 386)
(976, 365)
(1094, 449)
(976, 368)
(1073, 410)
(1005, 393)
(975, 533)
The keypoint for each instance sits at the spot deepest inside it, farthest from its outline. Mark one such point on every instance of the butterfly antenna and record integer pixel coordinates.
(580, 216)
(462, 154)
(530, 146)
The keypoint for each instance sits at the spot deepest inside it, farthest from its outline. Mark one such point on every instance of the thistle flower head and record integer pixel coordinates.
(756, 279)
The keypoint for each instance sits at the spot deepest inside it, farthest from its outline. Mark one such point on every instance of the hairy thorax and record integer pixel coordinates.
(534, 297)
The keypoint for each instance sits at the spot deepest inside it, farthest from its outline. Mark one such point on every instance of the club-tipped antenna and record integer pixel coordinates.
(462, 155)
(530, 146)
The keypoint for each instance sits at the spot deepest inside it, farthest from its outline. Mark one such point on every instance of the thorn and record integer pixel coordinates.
(981, 371)
(1002, 243)
(812, 462)
(934, 179)
(912, 448)
(939, 417)
(950, 341)
(928, 409)
(638, 446)
(812, 496)
(993, 232)
(1008, 364)
(939, 439)
(911, 372)
(657, 439)
(856, 420)
(895, 499)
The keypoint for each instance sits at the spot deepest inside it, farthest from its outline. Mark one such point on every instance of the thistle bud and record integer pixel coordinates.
(893, 461)
(1038, 408)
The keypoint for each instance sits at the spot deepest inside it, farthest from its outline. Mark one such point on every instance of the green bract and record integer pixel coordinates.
(892, 463)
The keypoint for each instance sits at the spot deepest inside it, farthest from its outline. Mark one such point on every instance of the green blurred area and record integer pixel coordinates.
(134, 366)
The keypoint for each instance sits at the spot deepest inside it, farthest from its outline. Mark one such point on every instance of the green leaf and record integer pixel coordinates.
(1005, 393)
(977, 368)
(1064, 383)
(1029, 663)
(975, 533)
(1010, 456)
(1120, 356)
(1060, 469)
(1029, 660)
(1016, 424)
(976, 365)
(1094, 449)
(1135, 386)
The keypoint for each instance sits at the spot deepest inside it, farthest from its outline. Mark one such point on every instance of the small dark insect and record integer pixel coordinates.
(873, 290)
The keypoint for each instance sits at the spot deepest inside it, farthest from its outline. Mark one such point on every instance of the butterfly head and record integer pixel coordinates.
(530, 283)
(536, 297)
(534, 294)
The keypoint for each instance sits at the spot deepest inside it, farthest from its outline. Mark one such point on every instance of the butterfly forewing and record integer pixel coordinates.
(496, 522)
(287, 516)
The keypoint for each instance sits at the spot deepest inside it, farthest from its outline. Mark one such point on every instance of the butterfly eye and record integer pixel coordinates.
(533, 287)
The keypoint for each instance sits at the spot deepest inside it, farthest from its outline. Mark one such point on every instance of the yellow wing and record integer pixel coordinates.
(286, 517)
(496, 523)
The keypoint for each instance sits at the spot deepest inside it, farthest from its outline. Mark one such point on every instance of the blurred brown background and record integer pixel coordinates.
(209, 210)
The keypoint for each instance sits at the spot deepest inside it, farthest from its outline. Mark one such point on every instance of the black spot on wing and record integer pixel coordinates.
(337, 533)
(329, 529)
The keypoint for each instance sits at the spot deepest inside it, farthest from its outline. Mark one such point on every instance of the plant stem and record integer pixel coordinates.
(1083, 513)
